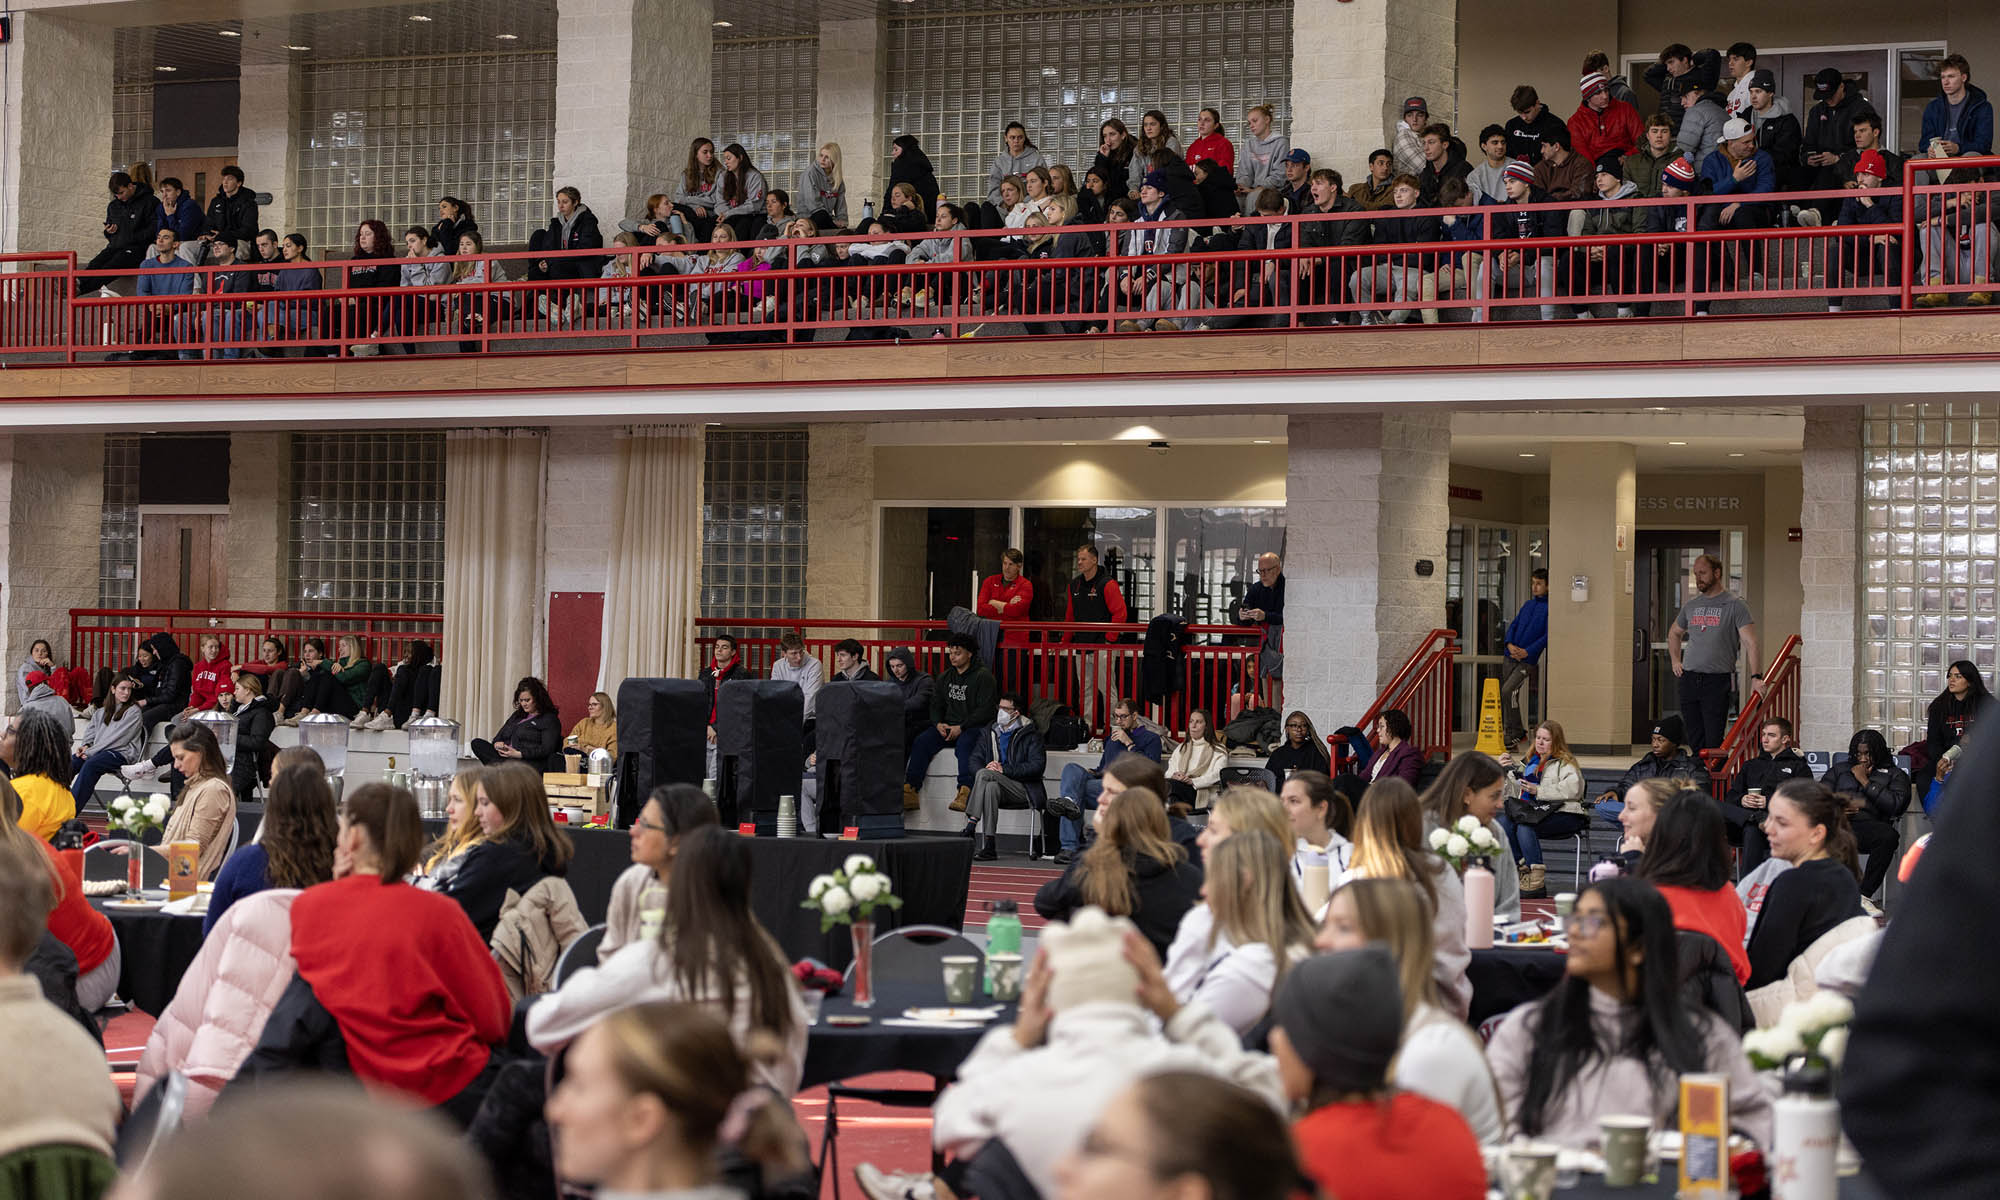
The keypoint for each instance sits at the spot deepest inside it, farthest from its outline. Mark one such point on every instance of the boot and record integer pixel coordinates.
(1534, 882)
(989, 849)
(912, 799)
(958, 801)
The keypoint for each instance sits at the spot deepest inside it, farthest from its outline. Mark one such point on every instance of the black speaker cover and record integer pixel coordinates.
(662, 738)
(861, 759)
(760, 748)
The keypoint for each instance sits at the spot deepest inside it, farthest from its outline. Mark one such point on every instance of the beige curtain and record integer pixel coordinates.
(493, 509)
(652, 589)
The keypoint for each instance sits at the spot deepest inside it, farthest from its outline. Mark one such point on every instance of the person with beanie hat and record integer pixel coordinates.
(1339, 1025)
(1096, 1015)
(1602, 123)
(1876, 259)
(1667, 261)
(1668, 759)
(1517, 272)
(1613, 269)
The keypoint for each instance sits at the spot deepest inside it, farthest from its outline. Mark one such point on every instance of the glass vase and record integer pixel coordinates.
(863, 933)
(135, 868)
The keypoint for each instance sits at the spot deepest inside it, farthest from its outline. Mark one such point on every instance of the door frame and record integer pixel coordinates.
(1724, 534)
(1890, 108)
(1526, 556)
(143, 511)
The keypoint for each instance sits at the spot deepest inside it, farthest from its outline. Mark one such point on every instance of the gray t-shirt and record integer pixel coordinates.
(1711, 623)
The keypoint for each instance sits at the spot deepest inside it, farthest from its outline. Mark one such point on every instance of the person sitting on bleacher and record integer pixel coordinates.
(1779, 763)
(1876, 793)
(1668, 759)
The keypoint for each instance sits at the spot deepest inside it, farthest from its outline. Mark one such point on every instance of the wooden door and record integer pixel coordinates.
(183, 561)
(200, 177)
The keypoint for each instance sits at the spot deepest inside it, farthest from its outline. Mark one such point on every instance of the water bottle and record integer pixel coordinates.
(867, 211)
(1478, 905)
(1607, 867)
(1805, 1136)
(1003, 934)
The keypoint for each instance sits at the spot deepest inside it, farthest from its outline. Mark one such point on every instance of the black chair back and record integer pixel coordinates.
(917, 953)
(1263, 777)
(580, 953)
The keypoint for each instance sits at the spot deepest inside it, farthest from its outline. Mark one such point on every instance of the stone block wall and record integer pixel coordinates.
(1353, 65)
(260, 502)
(632, 78)
(840, 523)
(583, 473)
(853, 70)
(1829, 624)
(54, 502)
(268, 113)
(55, 120)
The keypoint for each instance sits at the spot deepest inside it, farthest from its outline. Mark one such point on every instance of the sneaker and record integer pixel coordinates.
(1933, 299)
(144, 769)
(1064, 858)
(1809, 216)
(1624, 310)
(878, 1184)
(384, 722)
(1066, 808)
(361, 720)
(1534, 880)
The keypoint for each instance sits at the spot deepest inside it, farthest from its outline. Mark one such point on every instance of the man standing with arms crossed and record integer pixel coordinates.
(1527, 637)
(1005, 598)
(1093, 596)
(1702, 646)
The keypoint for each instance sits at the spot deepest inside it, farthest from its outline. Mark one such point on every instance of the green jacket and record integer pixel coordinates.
(965, 698)
(354, 678)
(1642, 168)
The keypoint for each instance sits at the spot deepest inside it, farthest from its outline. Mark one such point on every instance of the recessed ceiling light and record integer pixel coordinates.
(298, 47)
(725, 24)
(1260, 441)
(1736, 454)
(1657, 408)
(420, 17)
(1069, 443)
(1676, 443)
(166, 68)
(227, 33)
(1524, 454)
(508, 37)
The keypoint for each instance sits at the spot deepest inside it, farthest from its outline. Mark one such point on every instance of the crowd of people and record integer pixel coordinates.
(1721, 154)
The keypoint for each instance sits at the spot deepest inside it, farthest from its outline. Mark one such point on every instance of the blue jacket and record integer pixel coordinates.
(1144, 741)
(175, 277)
(1975, 124)
(185, 220)
(1721, 176)
(1530, 628)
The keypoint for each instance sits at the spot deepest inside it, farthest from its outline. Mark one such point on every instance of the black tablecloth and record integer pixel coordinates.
(834, 1053)
(154, 952)
(601, 857)
(932, 875)
(1507, 977)
(1592, 1187)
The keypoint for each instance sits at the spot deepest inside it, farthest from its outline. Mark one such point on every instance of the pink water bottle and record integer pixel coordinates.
(1478, 905)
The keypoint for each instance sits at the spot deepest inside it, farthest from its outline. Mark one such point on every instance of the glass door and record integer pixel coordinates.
(1486, 580)
(1662, 581)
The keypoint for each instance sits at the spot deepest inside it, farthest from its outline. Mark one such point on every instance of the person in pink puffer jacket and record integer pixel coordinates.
(224, 999)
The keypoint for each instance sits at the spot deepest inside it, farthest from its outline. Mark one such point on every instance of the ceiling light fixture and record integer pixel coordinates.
(725, 24)
(227, 33)
(298, 47)
(166, 68)
(1069, 443)
(1524, 454)
(508, 37)
(1676, 443)
(1736, 454)
(1657, 408)
(420, 17)
(1260, 441)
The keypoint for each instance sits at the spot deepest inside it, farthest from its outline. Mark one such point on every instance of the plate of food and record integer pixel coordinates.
(135, 904)
(952, 1014)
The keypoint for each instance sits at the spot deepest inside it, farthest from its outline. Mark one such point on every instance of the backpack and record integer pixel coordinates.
(1066, 730)
(1260, 728)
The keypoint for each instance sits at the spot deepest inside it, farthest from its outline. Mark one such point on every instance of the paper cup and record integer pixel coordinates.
(961, 976)
(1007, 976)
(1529, 1170)
(1624, 1140)
(1565, 901)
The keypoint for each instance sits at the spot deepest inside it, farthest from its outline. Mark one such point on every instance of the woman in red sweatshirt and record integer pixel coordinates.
(416, 994)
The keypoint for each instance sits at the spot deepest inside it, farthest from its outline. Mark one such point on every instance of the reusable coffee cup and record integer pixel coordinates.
(1006, 977)
(1624, 1137)
(961, 977)
(1565, 901)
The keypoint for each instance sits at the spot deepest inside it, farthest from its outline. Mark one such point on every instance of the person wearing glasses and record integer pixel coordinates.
(1264, 604)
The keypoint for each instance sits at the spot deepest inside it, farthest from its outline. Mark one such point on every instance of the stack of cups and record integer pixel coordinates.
(788, 816)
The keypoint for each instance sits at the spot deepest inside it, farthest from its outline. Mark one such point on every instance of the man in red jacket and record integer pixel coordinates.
(1005, 598)
(1602, 124)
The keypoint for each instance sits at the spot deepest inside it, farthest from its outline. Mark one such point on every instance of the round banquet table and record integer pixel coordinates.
(1506, 977)
(834, 1052)
(155, 949)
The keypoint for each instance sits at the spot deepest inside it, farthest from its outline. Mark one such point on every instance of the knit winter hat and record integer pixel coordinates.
(1610, 162)
(1592, 84)
(1343, 1014)
(1671, 728)
(37, 678)
(1156, 180)
(1679, 173)
(1087, 961)
(1519, 169)
(1870, 163)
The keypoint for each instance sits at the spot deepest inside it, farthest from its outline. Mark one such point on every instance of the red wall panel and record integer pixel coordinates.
(576, 624)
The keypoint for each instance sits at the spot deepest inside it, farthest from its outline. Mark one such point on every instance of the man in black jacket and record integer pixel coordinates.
(1756, 782)
(1444, 158)
(1323, 280)
(131, 218)
(1515, 272)
(1877, 793)
(1530, 121)
(1668, 759)
(1680, 71)
(1829, 133)
(1011, 749)
(232, 214)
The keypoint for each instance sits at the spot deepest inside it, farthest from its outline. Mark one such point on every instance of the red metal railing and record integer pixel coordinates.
(110, 637)
(1045, 668)
(1424, 689)
(1778, 696)
(1937, 245)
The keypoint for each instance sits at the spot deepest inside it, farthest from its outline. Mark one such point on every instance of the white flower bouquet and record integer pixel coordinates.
(1465, 841)
(136, 816)
(1813, 1029)
(850, 894)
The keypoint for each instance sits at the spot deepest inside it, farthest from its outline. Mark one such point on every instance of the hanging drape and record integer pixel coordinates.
(652, 589)
(493, 521)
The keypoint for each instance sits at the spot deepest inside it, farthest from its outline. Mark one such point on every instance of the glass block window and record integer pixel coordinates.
(367, 522)
(118, 527)
(956, 79)
(131, 125)
(384, 139)
(1930, 555)
(764, 95)
(753, 525)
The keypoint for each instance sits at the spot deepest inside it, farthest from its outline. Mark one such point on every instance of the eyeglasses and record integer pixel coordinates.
(643, 823)
(1579, 924)
(1296, 725)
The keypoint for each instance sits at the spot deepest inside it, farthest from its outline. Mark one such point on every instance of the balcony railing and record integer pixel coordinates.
(110, 637)
(1424, 689)
(1936, 245)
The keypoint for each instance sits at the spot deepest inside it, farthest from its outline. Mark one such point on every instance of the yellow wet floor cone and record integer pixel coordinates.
(1489, 719)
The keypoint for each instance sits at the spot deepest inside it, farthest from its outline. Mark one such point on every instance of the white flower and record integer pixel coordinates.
(1468, 823)
(156, 808)
(857, 864)
(1833, 1044)
(121, 805)
(1484, 839)
(1824, 1010)
(867, 887)
(818, 886)
(1775, 1044)
(1456, 846)
(1439, 837)
(835, 900)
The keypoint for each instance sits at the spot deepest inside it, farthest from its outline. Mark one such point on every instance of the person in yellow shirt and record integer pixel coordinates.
(41, 774)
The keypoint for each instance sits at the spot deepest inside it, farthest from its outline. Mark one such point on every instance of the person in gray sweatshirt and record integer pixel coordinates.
(1260, 160)
(825, 197)
(43, 698)
(742, 192)
(1017, 156)
(699, 193)
(1701, 125)
(41, 657)
(114, 738)
(412, 313)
